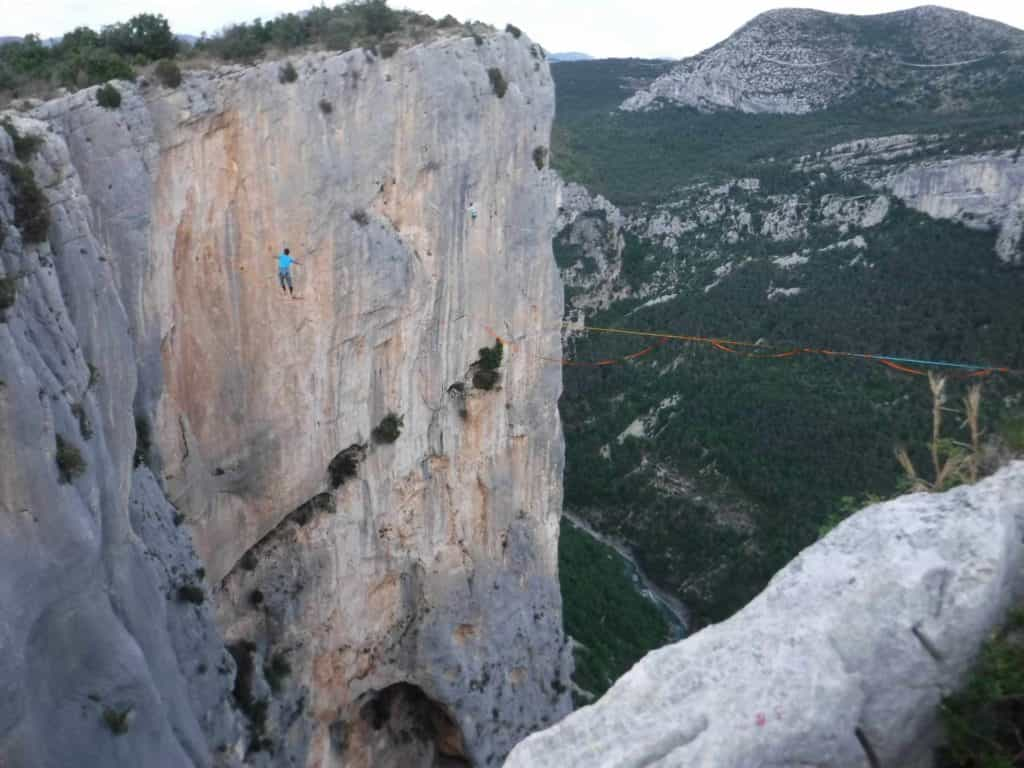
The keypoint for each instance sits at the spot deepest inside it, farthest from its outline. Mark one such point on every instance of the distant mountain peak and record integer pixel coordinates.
(570, 56)
(797, 60)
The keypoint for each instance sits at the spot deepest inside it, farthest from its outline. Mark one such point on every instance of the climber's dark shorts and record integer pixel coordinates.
(286, 279)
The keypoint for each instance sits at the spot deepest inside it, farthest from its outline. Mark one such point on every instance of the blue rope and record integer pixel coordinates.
(964, 366)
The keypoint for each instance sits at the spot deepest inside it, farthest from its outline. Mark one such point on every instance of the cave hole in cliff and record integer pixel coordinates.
(401, 727)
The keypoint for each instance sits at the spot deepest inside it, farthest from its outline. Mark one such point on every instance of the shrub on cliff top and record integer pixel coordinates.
(377, 18)
(513, 30)
(146, 36)
(498, 82)
(108, 96)
(24, 146)
(168, 73)
(339, 34)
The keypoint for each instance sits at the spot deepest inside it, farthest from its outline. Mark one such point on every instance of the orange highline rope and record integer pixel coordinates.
(730, 345)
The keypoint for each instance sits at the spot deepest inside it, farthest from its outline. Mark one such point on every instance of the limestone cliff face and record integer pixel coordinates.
(983, 190)
(402, 606)
(841, 661)
(108, 650)
(980, 191)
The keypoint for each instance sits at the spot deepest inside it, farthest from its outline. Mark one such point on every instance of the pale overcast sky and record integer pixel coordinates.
(646, 28)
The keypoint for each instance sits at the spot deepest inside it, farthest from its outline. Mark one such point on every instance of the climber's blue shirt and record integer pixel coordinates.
(284, 261)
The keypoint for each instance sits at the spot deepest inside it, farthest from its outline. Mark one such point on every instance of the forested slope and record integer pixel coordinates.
(785, 230)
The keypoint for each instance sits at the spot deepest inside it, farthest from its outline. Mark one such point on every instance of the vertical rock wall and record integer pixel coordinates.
(413, 603)
(103, 659)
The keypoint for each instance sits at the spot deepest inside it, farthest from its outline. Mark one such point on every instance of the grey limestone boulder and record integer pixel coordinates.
(840, 662)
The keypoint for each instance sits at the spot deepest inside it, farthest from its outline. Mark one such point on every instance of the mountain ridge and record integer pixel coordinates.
(796, 61)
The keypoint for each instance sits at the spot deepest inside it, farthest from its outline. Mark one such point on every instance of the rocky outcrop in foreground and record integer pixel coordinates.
(841, 661)
(375, 513)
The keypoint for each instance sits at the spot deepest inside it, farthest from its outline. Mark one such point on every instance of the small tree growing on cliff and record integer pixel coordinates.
(485, 373)
(287, 73)
(498, 82)
(8, 295)
(31, 210)
(70, 463)
(389, 429)
(117, 720)
(540, 157)
(25, 146)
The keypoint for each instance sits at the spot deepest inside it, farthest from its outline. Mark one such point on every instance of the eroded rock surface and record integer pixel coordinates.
(103, 659)
(841, 661)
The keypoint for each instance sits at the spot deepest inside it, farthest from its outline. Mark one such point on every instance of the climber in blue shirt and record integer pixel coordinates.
(284, 273)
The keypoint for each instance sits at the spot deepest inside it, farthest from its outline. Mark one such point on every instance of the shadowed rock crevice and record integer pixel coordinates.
(322, 503)
(345, 465)
(926, 643)
(869, 751)
(303, 515)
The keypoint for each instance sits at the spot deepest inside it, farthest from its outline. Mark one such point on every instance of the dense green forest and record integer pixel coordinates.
(643, 157)
(84, 57)
(792, 436)
(747, 460)
(612, 623)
